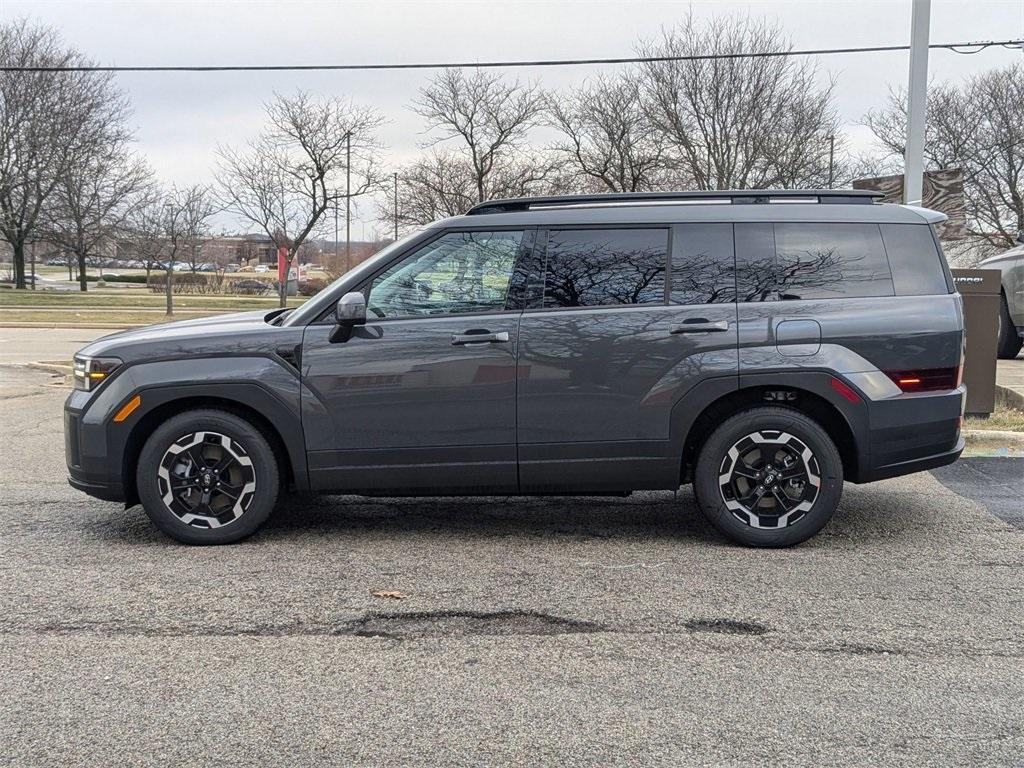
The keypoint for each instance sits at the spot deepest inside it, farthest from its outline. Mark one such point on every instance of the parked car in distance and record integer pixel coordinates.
(262, 268)
(1011, 300)
(764, 347)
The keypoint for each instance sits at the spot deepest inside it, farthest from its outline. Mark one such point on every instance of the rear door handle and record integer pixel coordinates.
(479, 336)
(700, 325)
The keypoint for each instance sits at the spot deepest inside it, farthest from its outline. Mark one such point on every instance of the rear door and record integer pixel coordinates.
(623, 323)
(422, 398)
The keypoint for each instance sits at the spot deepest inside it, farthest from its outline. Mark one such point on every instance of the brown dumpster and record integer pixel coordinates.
(980, 289)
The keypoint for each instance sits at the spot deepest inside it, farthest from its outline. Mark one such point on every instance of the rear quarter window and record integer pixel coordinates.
(800, 261)
(916, 264)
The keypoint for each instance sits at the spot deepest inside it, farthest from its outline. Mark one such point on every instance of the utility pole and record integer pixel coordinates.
(917, 103)
(348, 199)
(33, 265)
(831, 161)
(396, 207)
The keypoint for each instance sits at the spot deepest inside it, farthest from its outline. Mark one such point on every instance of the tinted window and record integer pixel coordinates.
(703, 268)
(596, 267)
(915, 261)
(829, 261)
(811, 261)
(756, 278)
(458, 272)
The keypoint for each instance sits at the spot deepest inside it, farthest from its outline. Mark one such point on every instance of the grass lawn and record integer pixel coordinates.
(133, 297)
(1009, 419)
(113, 316)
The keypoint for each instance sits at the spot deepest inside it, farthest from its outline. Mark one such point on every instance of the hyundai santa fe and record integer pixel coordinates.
(764, 347)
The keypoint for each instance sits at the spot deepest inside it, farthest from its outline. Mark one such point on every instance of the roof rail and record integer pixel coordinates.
(734, 196)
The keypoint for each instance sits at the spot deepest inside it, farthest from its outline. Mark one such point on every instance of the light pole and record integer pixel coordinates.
(168, 212)
(831, 161)
(396, 207)
(335, 226)
(348, 198)
(917, 103)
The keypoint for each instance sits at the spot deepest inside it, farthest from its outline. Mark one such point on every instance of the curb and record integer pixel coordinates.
(1010, 398)
(1008, 437)
(111, 326)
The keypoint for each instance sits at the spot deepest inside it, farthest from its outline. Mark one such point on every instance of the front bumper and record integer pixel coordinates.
(91, 469)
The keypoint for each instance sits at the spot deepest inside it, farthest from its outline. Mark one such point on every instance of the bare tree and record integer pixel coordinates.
(739, 123)
(609, 137)
(489, 117)
(93, 202)
(978, 127)
(287, 179)
(48, 121)
(443, 184)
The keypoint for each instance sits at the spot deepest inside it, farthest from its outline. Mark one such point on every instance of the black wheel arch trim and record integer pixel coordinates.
(702, 396)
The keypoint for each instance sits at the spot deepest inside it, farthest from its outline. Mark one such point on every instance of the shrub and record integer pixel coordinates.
(312, 286)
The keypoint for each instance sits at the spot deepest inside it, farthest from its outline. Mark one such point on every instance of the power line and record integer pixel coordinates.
(978, 46)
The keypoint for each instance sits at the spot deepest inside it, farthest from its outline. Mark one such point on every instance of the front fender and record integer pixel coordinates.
(263, 384)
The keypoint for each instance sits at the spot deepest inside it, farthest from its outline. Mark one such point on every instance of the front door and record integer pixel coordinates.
(623, 332)
(421, 398)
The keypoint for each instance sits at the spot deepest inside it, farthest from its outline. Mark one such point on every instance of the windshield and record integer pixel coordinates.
(312, 308)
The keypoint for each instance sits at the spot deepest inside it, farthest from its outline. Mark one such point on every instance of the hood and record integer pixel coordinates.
(202, 336)
(1010, 255)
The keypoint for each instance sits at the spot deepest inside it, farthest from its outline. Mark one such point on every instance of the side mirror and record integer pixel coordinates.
(349, 312)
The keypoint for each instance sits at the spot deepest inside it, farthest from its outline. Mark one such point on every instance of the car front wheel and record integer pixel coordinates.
(207, 477)
(768, 477)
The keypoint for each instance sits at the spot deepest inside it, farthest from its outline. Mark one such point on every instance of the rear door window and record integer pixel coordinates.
(917, 268)
(811, 261)
(602, 267)
(703, 267)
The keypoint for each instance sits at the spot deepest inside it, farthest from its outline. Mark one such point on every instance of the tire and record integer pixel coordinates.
(1009, 342)
(184, 463)
(801, 497)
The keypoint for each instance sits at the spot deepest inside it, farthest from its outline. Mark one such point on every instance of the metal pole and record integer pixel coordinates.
(348, 199)
(33, 265)
(335, 228)
(396, 206)
(170, 262)
(831, 161)
(917, 103)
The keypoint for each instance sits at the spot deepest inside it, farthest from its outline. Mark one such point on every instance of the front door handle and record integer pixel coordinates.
(700, 325)
(479, 336)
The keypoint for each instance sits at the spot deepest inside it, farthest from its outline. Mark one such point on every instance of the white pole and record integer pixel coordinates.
(917, 104)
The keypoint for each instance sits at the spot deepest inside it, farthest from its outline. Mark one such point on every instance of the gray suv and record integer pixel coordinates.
(763, 346)
(1011, 299)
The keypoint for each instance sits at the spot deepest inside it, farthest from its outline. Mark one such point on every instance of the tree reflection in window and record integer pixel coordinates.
(703, 269)
(457, 273)
(810, 261)
(599, 267)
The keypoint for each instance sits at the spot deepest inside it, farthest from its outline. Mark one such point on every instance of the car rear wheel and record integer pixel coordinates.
(768, 477)
(207, 477)
(1009, 342)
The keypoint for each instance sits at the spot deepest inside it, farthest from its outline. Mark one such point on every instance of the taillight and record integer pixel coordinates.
(927, 379)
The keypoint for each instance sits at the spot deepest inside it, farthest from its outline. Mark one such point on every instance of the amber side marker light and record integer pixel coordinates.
(128, 409)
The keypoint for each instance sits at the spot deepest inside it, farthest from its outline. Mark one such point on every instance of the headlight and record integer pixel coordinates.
(90, 372)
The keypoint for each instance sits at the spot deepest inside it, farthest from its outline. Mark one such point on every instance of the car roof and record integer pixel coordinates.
(852, 206)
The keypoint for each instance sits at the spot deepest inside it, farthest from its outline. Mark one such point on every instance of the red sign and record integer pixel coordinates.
(282, 264)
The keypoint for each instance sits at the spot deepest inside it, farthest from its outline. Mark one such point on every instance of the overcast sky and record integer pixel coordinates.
(181, 117)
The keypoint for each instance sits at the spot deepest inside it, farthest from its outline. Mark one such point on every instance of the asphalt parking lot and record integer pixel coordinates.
(532, 632)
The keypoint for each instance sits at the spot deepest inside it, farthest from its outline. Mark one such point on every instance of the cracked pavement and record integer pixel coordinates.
(534, 631)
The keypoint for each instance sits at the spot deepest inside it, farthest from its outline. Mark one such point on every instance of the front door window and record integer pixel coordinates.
(457, 273)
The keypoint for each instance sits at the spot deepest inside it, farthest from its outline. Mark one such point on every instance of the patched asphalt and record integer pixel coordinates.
(568, 631)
